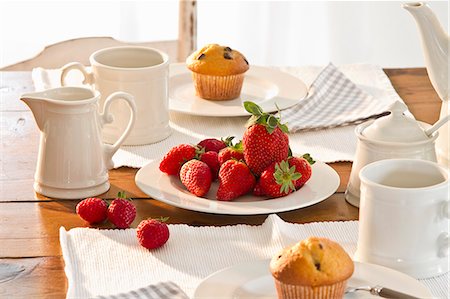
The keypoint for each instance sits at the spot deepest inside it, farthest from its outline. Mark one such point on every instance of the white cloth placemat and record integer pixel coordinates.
(327, 145)
(102, 262)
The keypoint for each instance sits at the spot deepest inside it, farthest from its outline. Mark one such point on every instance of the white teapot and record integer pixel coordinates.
(393, 136)
(435, 43)
(72, 161)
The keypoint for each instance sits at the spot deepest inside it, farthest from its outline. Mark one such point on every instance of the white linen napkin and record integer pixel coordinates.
(327, 145)
(333, 100)
(102, 262)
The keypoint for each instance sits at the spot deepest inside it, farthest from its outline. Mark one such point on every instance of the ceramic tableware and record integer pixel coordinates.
(72, 161)
(435, 43)
(404, 216)
(140, 71)
(392, 136)
(271, 89)
(252, 280)
(324, 182)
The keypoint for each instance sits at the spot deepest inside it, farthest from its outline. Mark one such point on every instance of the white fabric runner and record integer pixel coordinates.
(103, 262)
(327, 145)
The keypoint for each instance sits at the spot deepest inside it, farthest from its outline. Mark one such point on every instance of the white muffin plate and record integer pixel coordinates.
(253, 280)
(266, 87)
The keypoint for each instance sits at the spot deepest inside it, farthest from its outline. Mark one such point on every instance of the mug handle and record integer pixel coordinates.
(88, 77)
(106, 118)
(444, 238)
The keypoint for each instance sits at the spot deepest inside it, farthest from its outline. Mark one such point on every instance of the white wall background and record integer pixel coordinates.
(267, 32)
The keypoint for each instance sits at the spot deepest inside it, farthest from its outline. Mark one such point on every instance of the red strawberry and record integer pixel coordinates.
(235, 179)
(302, 166)
(196, 177)
(265, 141)
(153, 233)
(121, 212)
(212, 144)
(176, 157)
(212, 160)
(257, 191)
(231, 152)
(278, 179)
(92, 209)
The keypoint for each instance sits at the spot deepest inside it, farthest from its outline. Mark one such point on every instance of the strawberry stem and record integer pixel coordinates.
(285, 176)
(270, 121)
(308, 158)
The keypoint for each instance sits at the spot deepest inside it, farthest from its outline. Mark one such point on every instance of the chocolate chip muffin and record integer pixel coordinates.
(217, 72)
(312, 268)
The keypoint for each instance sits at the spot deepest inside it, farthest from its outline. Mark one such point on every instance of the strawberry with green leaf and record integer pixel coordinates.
(232, 151)
(277, 180)
(265, 140)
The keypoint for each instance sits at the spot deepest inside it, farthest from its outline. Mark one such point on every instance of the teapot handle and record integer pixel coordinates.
(106, 117)
(88, 77)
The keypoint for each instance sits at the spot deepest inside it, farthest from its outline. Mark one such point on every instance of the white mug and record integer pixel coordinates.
(404, 216)
(140, 71)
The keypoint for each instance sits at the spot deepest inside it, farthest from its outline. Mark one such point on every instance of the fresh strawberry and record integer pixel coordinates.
(196, 177)
(212, 144)
(278, 179)
(211, 159)
(257, 191)
(153, 233)
(121, 212)
(303, 166)
(265, 141)
(231, 152)
(176, 157)
(92, 209)
(235, 179)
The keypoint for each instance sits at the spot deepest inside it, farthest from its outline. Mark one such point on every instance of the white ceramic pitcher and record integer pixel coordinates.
(72, 161)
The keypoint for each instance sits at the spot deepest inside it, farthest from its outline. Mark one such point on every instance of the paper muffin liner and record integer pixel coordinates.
(333, 291)
(218, 88)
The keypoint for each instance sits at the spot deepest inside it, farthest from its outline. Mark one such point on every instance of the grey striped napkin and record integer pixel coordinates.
(162, 290)
(333, 100)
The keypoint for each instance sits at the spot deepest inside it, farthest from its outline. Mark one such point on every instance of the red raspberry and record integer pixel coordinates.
(153, 233)
(92, 209)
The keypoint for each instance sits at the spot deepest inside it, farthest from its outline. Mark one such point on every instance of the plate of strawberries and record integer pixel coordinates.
(255, 175)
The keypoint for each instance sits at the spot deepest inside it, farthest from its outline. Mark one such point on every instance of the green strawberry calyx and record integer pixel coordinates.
(308, 158)
(238, 147)
(285, 176)
(123, 195)
(268, 120)
(159, 219)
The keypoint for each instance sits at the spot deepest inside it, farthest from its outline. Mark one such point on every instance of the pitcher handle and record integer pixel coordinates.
(106, 117)
(88, 77)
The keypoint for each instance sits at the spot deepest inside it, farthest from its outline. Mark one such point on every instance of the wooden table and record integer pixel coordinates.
(29, 223)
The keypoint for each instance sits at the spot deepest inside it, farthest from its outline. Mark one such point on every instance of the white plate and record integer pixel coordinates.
(323, 183)
(253, 281)
(264, 86)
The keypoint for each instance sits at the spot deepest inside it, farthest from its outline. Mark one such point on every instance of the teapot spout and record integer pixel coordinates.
(435, 43)
(36, 104)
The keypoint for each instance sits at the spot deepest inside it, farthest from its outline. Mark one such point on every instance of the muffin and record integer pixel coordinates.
(312, 268)
(217, 72)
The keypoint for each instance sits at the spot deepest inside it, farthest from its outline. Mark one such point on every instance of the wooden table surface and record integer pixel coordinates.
(31, 265)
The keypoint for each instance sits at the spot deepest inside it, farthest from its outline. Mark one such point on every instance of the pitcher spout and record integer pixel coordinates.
(36, 103)
(435, 43)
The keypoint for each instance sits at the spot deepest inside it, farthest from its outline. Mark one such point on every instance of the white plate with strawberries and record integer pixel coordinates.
(267, 87)
(169, 189)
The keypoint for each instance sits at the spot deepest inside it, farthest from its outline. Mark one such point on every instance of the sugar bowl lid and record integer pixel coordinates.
(395, 127)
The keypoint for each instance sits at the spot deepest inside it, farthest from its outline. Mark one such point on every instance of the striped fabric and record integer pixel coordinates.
(333, 101)
(162, 290)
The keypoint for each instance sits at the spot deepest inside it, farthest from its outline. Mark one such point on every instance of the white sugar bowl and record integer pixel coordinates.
(390, 137)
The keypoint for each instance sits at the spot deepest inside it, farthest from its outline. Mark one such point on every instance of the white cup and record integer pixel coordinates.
(404, 216)
(140, 71)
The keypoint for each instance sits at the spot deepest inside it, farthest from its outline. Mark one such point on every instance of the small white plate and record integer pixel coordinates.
(323, 183)
(264, 86)
(253, 281)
